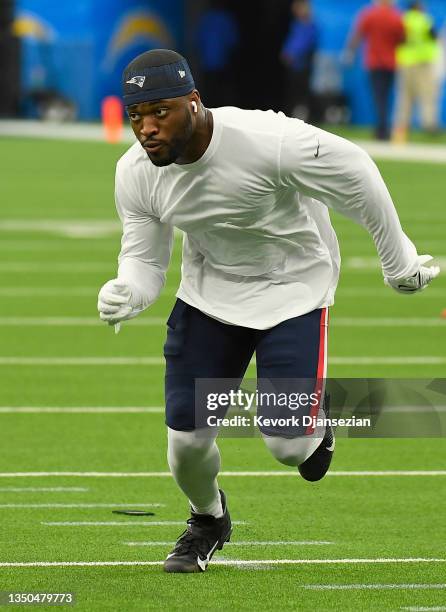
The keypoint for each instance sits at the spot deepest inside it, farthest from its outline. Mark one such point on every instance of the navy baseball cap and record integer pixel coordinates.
(156, 75)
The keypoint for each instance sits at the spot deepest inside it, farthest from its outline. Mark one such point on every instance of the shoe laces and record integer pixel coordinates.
(194, 539)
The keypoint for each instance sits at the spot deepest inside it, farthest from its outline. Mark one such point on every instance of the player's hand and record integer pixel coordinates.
(114, 302)
(418, 281)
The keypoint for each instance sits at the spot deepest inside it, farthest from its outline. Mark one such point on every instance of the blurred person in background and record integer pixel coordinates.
(298, 54)
(417, 60)
(217, 40)
(381, 28)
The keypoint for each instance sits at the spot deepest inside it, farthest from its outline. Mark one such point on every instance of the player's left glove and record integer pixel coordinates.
(114, 302)
(418, 281)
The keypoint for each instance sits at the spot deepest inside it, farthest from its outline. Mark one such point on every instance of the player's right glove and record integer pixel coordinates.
(114, 302)
(418, 281)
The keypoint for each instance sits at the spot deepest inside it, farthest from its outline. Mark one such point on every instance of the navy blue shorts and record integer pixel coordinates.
(198, 346)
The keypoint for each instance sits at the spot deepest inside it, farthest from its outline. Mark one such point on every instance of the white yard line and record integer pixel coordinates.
(71, 228)
(82, 410)
(62, 291)
(43, 489)
(148, 321)
(58, 266)
(158, 361)
(75, 322)
(119, 523)
(117, 505)
(230, 562)
(370, 263)
(246, 474)
(161, 410)
(82, 361)
(247, 543)
(371, 587)
(424, 608)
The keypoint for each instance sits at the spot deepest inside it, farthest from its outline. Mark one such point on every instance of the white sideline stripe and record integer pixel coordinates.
(348, 587)
(158, 361)
(82, 410)
(236, 562)
(290, 473)
(161, 322)
(119, 523)
(247, 543)
(118, 505)
(43, 489)
(434, 153)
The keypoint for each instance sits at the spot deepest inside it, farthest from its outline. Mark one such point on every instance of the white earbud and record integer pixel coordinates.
(194, 106)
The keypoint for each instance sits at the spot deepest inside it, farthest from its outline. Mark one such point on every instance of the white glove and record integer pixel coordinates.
(114, 302)
(418, 281)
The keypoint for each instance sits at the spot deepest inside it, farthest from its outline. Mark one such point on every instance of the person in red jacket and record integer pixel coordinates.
(381, 28)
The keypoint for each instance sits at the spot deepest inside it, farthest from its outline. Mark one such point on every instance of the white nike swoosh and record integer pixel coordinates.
(203, 563)
(332, 447)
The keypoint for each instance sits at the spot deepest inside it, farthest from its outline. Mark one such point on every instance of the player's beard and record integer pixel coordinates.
(176, 147)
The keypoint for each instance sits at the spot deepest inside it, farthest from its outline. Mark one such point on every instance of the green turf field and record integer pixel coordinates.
(354, 541)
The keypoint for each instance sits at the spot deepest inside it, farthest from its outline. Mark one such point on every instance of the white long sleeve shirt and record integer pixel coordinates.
(258, 244)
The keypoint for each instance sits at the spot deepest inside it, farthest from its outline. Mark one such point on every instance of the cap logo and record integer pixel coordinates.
(182, 73)
(137, 80)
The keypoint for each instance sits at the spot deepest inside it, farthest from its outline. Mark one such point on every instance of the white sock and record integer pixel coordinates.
(194, 461)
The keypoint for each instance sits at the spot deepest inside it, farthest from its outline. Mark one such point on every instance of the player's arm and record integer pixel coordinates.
(342, 176)
(146, 247)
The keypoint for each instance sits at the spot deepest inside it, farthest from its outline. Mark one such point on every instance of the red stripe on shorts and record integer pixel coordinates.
(321, 367)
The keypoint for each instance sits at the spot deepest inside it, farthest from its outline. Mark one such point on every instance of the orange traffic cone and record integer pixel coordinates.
(112, 118)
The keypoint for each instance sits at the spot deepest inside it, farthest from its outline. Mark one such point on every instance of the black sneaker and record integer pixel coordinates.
(195, 547)
(317, 464)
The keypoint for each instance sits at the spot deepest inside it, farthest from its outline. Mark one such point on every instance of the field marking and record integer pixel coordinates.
(81, 291)
(51, 505)
(412, 152)
(348, 587)
(158, 361)
(161, 322)
(119, 523)
(75, 322)
(82, 361)
(276, 473)
(363, 264)
(412, 360)
(371, 263)
(82, 410)
(43, 489)
(87, 291)
(246, 543)
(71, 228)
(160, 410)
(235, 562)
(388, 321)
(58, 266)
(424, 608)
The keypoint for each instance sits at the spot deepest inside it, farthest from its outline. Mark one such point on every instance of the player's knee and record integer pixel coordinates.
(187, 447)
(290, 451)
